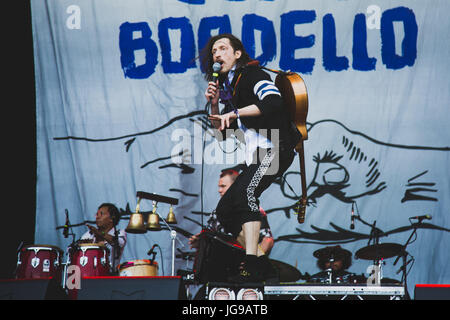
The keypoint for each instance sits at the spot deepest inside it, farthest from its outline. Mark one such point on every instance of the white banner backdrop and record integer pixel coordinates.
(120, 109)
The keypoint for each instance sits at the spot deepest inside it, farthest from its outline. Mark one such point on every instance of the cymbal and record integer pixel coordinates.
(287, 273)
(379, 251)
(331, 252)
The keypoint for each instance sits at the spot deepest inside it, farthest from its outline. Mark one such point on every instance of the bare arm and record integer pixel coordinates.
(223, 121)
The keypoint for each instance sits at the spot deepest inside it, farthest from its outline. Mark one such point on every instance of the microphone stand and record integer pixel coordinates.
(66, 234)
(116, 250)
(207, 106)
(375, 234)
(173, 237)
(18, 258)
(403, 254)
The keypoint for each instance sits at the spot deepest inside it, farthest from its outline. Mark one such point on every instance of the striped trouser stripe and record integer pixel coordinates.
(265, 164)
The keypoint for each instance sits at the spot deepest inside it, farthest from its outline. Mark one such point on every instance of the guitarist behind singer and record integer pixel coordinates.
(254, 105)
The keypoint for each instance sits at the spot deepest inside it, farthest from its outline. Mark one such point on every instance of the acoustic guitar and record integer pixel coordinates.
(293, 90)
(295, 96)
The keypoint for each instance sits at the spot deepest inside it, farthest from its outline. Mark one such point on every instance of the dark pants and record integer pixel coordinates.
(240, 203)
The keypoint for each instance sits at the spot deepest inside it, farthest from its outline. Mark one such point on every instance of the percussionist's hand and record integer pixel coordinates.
(94, 231)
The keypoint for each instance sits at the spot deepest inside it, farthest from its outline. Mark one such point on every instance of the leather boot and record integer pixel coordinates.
(250, 271)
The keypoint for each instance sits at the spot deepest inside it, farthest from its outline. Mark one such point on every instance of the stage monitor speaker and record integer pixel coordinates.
(31, 289)
(432, 292)
(131, 288)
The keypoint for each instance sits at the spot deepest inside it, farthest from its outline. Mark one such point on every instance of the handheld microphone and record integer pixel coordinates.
(66, 226)
(420, 218)
(215, 75)
(352, 224)
(216, 68)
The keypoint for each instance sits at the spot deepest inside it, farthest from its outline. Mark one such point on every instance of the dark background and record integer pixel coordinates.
(18, 141)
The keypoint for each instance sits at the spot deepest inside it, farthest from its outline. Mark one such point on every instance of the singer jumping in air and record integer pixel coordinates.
(253, 106)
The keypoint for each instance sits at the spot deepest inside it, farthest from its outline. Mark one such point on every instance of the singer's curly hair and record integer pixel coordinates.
(206, 59)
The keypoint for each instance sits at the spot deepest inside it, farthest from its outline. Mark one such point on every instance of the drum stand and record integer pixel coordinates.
(404, 254)
(330, 270)
(66, 234)
(375, 234)
(116, 251)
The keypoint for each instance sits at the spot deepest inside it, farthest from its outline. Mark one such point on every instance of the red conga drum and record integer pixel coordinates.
(39, 262)
(91, 258)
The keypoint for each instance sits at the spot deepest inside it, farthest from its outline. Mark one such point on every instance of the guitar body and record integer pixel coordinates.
(295, 96)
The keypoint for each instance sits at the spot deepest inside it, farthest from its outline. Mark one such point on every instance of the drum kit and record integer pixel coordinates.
(216, 253)
(333, 258)
(333, 273)
(93, 259)
(45, 261)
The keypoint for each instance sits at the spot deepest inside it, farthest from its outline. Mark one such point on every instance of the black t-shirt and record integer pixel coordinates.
(252, 85)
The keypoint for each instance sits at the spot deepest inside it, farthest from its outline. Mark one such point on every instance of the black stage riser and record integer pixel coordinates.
(432, 292)
(131, 288)
(95, 288)
(33, 289)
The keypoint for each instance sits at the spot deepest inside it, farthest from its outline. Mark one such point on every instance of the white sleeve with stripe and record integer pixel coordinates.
(264, 88)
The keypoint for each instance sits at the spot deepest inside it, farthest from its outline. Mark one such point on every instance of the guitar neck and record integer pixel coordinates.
(301, 155)
(301, 204)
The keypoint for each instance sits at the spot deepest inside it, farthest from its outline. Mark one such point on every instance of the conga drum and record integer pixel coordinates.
(39, 262)
(91, 258)
(138, 268)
